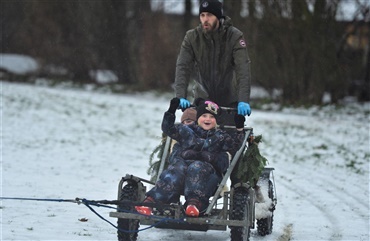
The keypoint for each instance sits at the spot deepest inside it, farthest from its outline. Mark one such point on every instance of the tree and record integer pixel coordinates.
(295, 50)
(12, 15)
(298, 47)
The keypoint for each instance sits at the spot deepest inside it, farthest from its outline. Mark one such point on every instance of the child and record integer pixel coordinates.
(189, 116)
(203, 155)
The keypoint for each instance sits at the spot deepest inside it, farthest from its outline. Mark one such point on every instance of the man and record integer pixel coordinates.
(216, 53)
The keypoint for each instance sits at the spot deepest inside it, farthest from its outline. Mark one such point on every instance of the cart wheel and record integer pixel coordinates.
(240, 212)
(264, 225)
(129, 193)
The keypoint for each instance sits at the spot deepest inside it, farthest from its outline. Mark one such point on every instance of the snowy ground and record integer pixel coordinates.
(63, 144)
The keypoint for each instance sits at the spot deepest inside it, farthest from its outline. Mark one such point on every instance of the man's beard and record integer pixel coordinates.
(211, 29)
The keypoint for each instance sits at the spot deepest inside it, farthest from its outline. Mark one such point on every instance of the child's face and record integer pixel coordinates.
(207, 121)
(187, 122)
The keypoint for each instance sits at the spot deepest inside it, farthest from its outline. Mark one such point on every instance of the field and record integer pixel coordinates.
(59, 143)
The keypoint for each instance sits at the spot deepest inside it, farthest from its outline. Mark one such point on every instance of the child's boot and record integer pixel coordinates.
(144, 209)
(192, 210)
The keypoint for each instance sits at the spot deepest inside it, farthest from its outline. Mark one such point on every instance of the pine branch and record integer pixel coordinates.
(252, 163)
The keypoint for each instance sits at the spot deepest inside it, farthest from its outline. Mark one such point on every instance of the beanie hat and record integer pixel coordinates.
(208, 107)
(211, 6)
(189, 114)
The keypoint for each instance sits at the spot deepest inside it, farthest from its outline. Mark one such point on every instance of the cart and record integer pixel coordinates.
(234, 209)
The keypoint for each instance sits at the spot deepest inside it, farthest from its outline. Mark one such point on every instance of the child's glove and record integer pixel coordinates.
(190, 154)
(174, 104)
(239, 121)
(207, 156)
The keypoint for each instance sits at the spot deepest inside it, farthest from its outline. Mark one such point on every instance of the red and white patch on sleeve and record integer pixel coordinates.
(242, 43)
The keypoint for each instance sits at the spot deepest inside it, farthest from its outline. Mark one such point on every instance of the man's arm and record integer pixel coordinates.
(184, 66)
(242, 69)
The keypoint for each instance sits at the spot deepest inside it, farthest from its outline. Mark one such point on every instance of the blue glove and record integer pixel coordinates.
(184, 103)
(244, 109)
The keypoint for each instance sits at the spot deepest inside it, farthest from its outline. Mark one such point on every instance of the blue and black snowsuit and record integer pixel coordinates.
(196, 164)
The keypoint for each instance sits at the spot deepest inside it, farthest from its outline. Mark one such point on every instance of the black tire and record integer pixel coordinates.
(264, 225)
(129, 193)
(240, 211)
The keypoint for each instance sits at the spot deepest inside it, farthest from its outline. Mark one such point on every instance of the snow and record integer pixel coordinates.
(347, 9)
(60, 143)
(104, 76)
(18, 64)
(22, 65)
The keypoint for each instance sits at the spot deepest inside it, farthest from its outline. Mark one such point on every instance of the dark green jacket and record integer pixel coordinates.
(218, 62)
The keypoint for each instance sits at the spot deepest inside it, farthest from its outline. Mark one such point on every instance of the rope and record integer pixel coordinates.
(89, 203)
(42, 199)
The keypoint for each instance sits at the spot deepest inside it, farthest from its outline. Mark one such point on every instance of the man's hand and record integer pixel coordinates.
(244, 109)
(184, 103)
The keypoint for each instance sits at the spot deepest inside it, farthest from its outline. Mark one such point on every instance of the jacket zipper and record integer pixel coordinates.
(213, 66)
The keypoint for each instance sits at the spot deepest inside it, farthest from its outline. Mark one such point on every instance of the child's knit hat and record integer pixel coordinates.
(207, 107)
(189, 114)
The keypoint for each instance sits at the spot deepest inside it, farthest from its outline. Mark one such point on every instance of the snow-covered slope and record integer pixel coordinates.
(63, 144)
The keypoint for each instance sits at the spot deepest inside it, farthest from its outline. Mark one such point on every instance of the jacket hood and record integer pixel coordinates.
(226, 22)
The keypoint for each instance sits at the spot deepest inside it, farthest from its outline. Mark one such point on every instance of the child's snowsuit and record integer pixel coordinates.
(196, 165)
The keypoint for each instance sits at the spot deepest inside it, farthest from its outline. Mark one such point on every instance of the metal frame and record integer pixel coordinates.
(214, 218)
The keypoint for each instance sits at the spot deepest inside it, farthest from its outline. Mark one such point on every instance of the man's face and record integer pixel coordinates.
(209, 22)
